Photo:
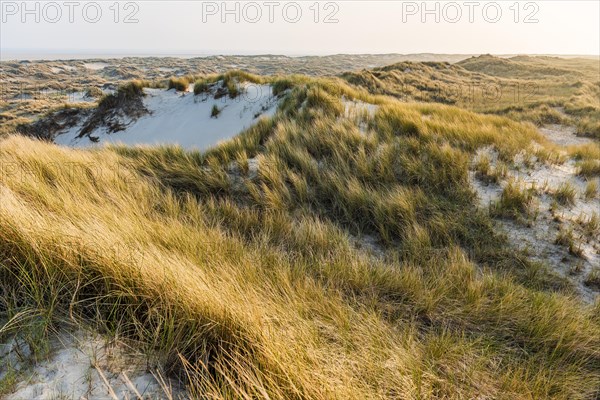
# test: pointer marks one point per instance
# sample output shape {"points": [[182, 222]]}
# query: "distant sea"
{"points": [[12, 55], [19, 56], [16, 55]]}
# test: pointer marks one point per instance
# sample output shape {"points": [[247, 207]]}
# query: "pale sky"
{"points": [[296, 28]]}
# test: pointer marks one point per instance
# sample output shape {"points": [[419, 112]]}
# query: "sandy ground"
{"points": [[183, 119], [359, 112], [82, 366], [563, 135], [538, 235]]}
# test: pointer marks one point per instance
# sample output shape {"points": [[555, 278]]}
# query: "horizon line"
{"points": [[38, 54]]}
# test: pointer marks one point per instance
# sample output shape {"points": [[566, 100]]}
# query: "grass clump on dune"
{"points": [[253, 286], [94, 92], [281, 85], [201, 87], [566, 238], [593, 278], [589, 168], [515, 201], [124, 94], [488, 174], [214, 113], [588, 151], [180, 84], [565, 194], [232, 88], [231, 83], [591, 189]]}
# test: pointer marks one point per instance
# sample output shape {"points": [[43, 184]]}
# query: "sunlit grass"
{"points": [[252, 285]]}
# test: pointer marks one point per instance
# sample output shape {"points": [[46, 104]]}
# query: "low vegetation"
{"points": [[591, 225], [180, 84], [124, 94], [589, 168], [201, 87], [566, 238], [593, 278], [281, 85], [488, 174], [541, 90], [591, 189], [94, 92], [214, 113], [516, 201], [565, 194], [259, 285]]}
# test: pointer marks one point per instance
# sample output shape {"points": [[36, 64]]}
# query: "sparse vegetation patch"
{"points": [[305, 259], [180, 84]]}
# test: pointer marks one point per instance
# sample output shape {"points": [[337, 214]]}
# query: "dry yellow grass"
{"points": [[541, 90], [255, 288]]}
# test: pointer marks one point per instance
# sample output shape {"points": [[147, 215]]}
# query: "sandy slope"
{"points": [[184, 119], [82, 366], [538, 237]]}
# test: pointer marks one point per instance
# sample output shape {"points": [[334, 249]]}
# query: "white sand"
{"points": [[359, 112], [538, 239], [81, 366], [564, 135], [185, 119], [96, 66]]}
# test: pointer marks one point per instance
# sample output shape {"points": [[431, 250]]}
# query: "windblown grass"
{"points": [[589, 168], [565, 194], [541, 90], [124, 93], [593, 278], [516, 201], [252, 286], [180, 84], [591, 189], [485, 172]]}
